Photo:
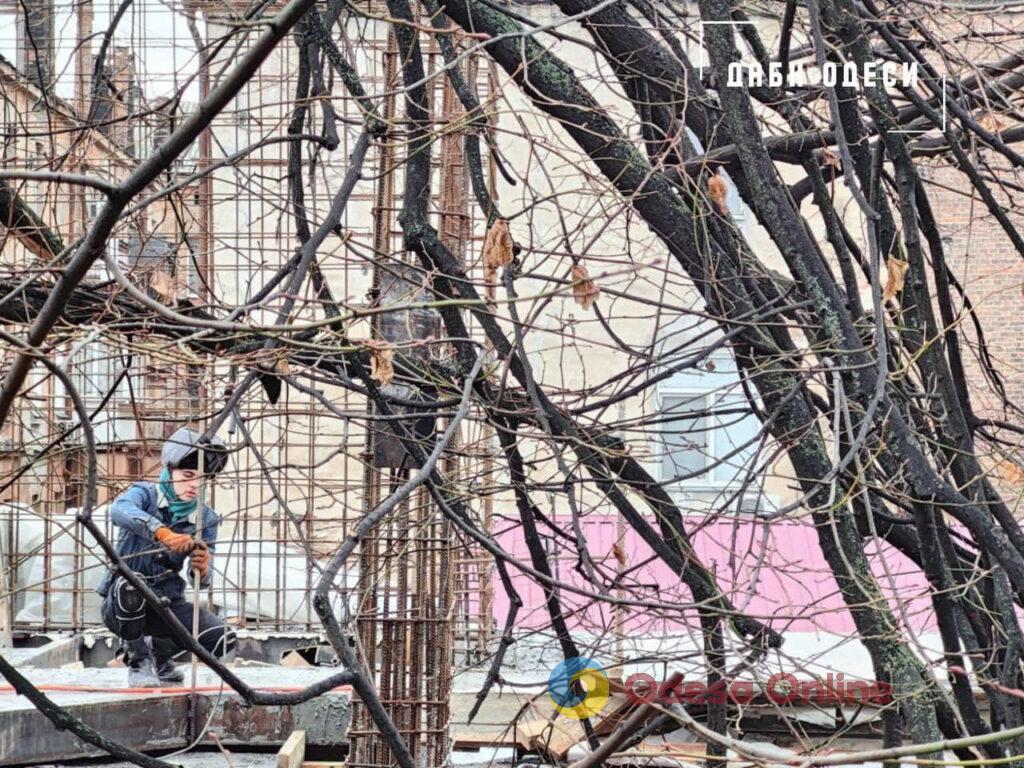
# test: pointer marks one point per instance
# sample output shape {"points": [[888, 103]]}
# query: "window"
{"points": [[93, 371], [95, 368], [686, 434], [709, 434], [92, 209], [193, 276]]}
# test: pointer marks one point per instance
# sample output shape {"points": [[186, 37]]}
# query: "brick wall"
{"points": [[991, 270]]}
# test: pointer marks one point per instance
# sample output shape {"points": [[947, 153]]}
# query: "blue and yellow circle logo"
{"points": [[578, 687]]}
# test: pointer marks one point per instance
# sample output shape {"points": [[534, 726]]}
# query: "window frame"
{"points": [[714, 392], [683, 394]]}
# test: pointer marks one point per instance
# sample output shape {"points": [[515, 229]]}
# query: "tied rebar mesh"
{"points": [[301, 476]]}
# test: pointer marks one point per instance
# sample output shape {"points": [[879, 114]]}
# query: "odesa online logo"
{"points": [[578, 687]]}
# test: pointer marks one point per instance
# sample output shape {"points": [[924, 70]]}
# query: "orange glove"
{"points": [[200, 559], [181, 543]]}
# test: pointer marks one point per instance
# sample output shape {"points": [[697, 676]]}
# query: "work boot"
{"points": [[141, 665], [168, 673], [164, 650]]}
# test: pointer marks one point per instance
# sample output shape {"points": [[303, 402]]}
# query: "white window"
{"points": [[709, 433], [92, 209], [93, 371], [95, 368]]}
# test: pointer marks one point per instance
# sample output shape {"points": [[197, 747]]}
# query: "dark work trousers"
{"points": [[126, 614]]}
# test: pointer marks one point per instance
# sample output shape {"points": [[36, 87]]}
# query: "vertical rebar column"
{"points": [[455, 232], [406, 580], [365, 744], [473, 566]]}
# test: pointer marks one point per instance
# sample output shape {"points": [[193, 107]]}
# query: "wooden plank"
{"points": [[679, 749], [558, 737], [523, 734], [607, 720], [562, 733], [6, 639], [292, 751], [528, 731], [295, 660], [468, 737], [157, 722], [543, 729]]}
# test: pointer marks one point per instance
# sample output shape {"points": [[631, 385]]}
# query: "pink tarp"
{"points": [[772, 570]]}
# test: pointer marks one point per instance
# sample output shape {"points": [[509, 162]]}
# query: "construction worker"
{"points": [[157, 534]]}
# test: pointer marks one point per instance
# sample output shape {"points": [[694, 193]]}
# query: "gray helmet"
{"points": [[181, 452]]}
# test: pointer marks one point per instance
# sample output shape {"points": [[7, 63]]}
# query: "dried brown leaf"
{"points": [[1010, 472], [831, 159], [619, 553], [897, 272], [381, 368], [992, 121], [583, 288], [718, 190], [498, 246]]}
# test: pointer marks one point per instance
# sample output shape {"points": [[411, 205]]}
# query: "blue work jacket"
{"points": [[138, 513]]}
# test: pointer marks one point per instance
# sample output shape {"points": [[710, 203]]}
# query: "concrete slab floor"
{"points": [[492, 759], [103, 682], [158, 719], [190, 760], [45, 651]]}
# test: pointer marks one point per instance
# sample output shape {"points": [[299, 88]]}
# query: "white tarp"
{"points": [[254, 578], [261, 578], [76, 561]]}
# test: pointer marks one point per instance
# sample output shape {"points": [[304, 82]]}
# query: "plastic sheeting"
{"points": [[57, 561], [265, 579]]}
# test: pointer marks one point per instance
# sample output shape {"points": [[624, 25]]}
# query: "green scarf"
{"points": [[180, 510]]}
